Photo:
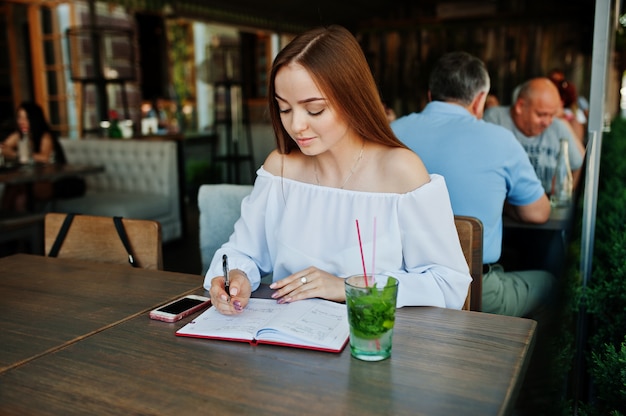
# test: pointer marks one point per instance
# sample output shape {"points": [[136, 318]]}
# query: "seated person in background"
{"points": [[491, 101], [391, 115], [532, 120], [45, 149], [45, 146], [557, 76], [483, 166], [571, 114], [338, 161]]}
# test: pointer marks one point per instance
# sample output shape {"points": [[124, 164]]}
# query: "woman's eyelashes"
{"points": [[310, 112]]}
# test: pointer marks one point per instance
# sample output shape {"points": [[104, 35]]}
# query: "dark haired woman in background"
{"points": [[45, 149]]}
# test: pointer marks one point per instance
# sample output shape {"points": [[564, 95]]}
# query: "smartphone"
{"points": [[178, 309]]}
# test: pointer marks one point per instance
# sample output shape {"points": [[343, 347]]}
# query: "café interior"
{"points": [[187, 79]]}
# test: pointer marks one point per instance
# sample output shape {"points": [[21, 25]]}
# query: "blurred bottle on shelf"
{"points": [[115, 132]]}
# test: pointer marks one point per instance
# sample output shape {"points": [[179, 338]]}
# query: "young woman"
{"points": [[337, 163], [45, 146], [45, 149]]}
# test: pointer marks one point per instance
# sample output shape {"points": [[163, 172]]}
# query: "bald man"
{"points": [[532, 119]]}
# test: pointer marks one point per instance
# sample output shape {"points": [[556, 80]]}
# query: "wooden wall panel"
{"points": [[401, 60]]}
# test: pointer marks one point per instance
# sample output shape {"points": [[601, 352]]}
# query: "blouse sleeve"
{"points": [[247, 248], [436, 272]]}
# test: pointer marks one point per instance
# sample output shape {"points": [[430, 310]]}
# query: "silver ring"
{"points": [[303, 280]]}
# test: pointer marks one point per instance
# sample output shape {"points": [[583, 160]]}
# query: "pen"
{"points": [[225, 269]]}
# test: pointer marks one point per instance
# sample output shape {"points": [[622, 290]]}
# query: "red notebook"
{"points": [[315, 324]]}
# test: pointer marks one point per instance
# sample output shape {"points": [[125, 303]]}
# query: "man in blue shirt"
{"points": [[485, 169]]}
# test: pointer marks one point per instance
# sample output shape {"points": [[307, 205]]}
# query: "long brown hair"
{"points": [[336, 62], [38, 127]]}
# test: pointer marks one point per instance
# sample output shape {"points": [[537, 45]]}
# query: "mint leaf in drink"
{"points": [[373, 313]]}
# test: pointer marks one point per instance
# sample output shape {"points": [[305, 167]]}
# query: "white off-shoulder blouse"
{"points": [[287, 226]]}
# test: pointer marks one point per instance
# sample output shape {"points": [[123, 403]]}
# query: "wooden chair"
{"points": [[95, 238], [470, 231]]}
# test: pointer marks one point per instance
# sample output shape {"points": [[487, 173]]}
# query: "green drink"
{"points": [[371, 315]]}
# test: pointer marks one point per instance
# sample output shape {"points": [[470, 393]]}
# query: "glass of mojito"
{"points": [[371, 307]]}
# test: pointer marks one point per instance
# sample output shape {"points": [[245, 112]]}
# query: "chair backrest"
{"points": [[470, 232], [219, 207], [95, 238]]}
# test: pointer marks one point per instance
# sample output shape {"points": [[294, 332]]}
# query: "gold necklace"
{"points": [[351, 170]]}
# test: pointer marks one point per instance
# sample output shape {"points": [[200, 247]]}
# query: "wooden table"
{"points": [[45, 172], [444, 362], [29, 174], [538, 246], [48, 303], [29, 225], [560, 219]]}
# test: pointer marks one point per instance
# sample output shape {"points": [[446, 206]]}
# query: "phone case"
{"points": [[165, 317]]}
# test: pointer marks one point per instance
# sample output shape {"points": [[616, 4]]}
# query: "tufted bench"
{"points": [[140, 181]]}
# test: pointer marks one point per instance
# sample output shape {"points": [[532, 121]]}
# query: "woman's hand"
{"points": [[240, 291], [309, 283], [9, 147]]}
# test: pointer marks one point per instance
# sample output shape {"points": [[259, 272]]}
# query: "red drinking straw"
{"points": [[358, 230]]}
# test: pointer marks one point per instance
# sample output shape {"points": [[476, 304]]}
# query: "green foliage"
{"points": [[605, 296], [200, 172], [181, 58], [609, 373]]}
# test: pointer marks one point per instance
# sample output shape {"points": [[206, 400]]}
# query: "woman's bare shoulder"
{"points": [[273, 163], [405, 169], [287, 165]]}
